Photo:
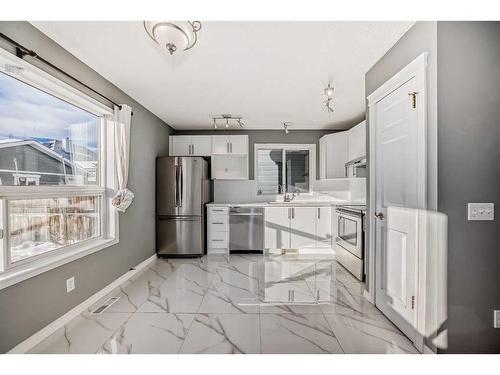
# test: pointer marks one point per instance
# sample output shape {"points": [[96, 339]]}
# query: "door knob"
{"points": [[379, 215]]}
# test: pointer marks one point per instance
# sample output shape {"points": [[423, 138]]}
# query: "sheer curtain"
{"points": [[122, 119]]}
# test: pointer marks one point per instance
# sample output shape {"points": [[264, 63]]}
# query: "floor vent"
{"points": [[106, 305]]}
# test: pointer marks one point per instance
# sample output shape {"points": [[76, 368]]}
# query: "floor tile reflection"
{"points": [[236, 304]]}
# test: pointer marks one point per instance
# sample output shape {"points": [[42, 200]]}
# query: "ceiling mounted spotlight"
{"points": [[229, 120], [173, 35], [329, 97], [286, 125]]}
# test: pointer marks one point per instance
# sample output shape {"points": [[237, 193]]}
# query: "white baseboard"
{"points": [[45, 332]]}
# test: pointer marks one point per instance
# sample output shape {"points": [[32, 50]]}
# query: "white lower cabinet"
{"points": [[324, 238], [298, 227], [218, 230], [302, 227], [277, 228]]}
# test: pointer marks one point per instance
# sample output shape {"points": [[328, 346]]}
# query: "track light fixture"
{"points": [[228, 120], [286, 125], [328, 91]]}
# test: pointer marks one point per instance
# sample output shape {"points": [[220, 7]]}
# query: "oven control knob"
{"points": [[379, 215]]}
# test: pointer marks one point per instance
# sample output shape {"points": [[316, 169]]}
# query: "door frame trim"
{"points": [[415, 69]]}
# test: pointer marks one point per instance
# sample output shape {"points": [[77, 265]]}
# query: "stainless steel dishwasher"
{"points": [[246, 229]]}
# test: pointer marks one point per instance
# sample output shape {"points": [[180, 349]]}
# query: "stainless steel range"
{"points": [[350, 240]]}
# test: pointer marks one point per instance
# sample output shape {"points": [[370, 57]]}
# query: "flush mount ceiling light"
{"points": [[329, 97], [286, 125], [228, 120], [173, 35]]}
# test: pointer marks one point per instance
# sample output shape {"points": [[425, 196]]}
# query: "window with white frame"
{"points": [[56, 170], [284, 168]]}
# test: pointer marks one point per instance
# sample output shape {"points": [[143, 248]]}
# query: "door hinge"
{"points": [[413, 99], [412, 302]]}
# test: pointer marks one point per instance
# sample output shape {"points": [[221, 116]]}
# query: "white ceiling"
{"points": [[268, 72]]}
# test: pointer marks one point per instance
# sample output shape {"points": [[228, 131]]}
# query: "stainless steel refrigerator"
{"points": [[182, 189]]}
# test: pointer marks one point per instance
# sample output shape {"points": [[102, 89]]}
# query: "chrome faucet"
{"points": [[288, 198]]}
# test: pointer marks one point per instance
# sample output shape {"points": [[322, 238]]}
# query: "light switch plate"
{"points": [[496, 318], [481, 211]]}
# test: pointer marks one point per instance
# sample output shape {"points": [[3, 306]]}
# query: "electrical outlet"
{"points": [[481, 211], [70, 284], [496, 319]]}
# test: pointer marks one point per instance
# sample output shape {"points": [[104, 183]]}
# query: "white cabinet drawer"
{"points": [[217, 240], [217, 226], [218, 219], [218, 210]]}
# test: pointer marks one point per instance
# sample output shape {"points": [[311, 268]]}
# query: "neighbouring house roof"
{"points": [[5, 143]]}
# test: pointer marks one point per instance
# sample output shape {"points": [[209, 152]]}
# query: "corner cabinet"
{"points": [[336, 149], [333, 155]]}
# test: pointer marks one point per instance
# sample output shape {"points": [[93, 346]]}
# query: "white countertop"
{"points": [[294, 203]]}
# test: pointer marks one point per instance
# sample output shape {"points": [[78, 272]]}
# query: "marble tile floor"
{"points": [[240, 304]]}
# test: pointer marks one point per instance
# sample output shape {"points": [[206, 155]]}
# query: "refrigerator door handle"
{"points": [[176, 186], [181, 185]]}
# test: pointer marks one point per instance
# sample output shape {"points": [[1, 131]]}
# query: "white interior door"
{"points": [[399, 193]]}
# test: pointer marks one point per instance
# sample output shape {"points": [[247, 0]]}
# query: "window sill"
{"points": [[24, 272]]}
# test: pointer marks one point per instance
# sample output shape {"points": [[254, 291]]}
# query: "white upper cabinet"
{"points": [[230, 144], [357, 141], [338, 148], [239, 144], [220, 144], [201, 145], [187, 145], [180, 145], [333, 155]]}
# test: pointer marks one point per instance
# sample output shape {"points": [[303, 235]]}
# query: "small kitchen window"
{"points": [[284, 168]]}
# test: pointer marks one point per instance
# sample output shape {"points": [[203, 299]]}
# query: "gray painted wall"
{"points": [[273, 136], [30, 305], [468, 140]]}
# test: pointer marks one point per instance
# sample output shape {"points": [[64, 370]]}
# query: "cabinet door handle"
{"points": [[293, 213], [218, 223], [231, 147], [217, 240], [319, 213]]}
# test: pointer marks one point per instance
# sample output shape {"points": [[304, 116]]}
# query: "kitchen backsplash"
{"points": [[246, 191]]}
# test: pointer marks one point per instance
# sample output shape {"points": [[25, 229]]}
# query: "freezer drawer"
{"points": [[180, 236]]}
